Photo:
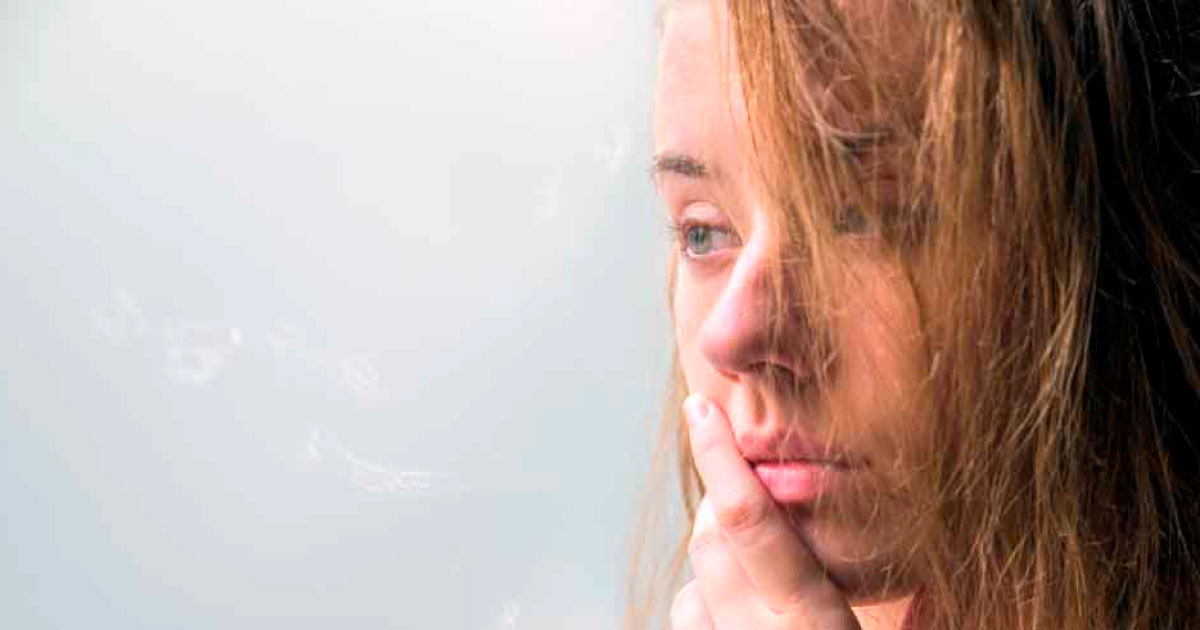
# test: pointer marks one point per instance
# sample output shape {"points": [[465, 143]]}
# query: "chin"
{"points": [[858, 565], [869, 582]]}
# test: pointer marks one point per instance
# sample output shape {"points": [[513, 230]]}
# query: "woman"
{"points": [[934, 298]]}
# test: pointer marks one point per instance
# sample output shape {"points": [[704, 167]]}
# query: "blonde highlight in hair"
{"points": [[1045, 184]]}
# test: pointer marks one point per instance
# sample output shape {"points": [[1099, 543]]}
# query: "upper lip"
{"points": [[792, 448]]}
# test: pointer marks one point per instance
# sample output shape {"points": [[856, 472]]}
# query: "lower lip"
{"points": [[798, 481]]}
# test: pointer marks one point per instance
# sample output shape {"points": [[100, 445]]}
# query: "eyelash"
{"points": [[675, 231]]}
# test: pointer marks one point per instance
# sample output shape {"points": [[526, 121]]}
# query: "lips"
{"points": [[799, 481], [793, 469]]}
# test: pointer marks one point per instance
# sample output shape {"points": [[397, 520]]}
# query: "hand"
{"points": [[753, 572]]}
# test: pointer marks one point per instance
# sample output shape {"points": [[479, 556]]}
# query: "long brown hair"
{"points": [[1051, 180]]}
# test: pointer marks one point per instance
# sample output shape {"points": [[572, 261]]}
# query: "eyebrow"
{"points": [[856, 144], [678, 164], [853, 145]]}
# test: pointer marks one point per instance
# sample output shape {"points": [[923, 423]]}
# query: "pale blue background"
{"points": [[324, 314]]}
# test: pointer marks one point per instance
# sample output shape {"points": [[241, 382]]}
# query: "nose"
{"points": [[757, 326]]}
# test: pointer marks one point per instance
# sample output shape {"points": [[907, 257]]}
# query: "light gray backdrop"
{"points": [[324, 314]]}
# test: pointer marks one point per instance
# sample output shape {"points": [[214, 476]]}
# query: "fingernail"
{"points": [[695, 410]]}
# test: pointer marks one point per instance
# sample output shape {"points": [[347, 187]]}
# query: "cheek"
{"points": [[884, 357], [692, 304]]}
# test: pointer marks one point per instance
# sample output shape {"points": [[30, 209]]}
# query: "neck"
{"points": [[890, 615]]}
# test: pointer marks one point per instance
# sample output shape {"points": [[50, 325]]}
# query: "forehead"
{"points": [[698, 106]]}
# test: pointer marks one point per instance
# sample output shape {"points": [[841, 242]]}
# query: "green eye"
{"points": [[702, 240], [851, 220]]}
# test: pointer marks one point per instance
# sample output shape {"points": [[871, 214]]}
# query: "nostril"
{"points": [[776, 375], [761, 368]]}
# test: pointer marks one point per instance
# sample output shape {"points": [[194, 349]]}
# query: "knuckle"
{"points": [[688, 610], [744, 515], [819, 603], [808, 600]]}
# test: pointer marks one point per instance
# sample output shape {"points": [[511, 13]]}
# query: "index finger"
{"points": [[782, 569]]}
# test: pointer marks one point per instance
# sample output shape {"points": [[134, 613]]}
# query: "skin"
{"points": [[760, 563]]}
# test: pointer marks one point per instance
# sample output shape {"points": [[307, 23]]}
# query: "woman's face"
{"points": [[723, 297]]}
